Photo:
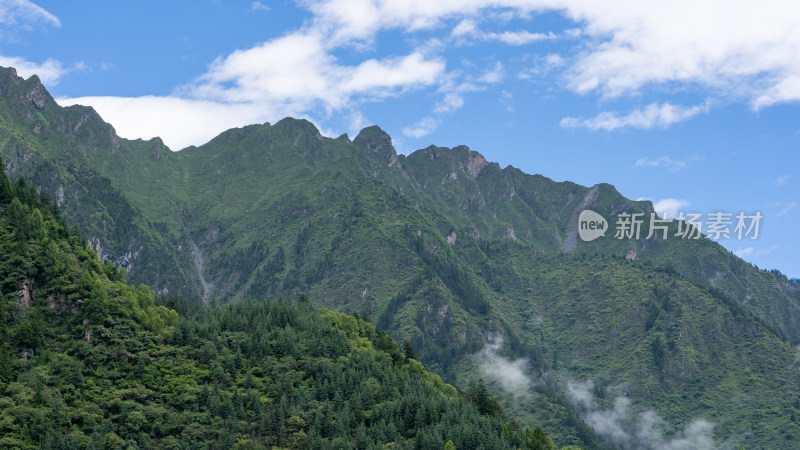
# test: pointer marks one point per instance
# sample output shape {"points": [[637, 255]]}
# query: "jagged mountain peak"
{"points": [[460, 158], [298, 128], [374, 139], [31, 94], [377, 141]]}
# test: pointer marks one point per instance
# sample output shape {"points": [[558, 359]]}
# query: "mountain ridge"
{"points": [[439, 247]]}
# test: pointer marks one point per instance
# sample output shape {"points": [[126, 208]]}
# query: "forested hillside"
{"points": [[90, 362]]}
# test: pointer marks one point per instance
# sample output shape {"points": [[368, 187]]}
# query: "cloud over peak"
{"points": [[741, 52]]}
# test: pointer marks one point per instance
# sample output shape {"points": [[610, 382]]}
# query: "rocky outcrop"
{"points": [[26, 294], [475, 164]]}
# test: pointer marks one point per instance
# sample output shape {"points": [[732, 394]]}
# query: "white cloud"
{"points": [[654, 115], [518, 37], [299, 68], [468, 29], [781, 180], [422, 128], [451, 102], [555, 60], [668, 208], [292, 75], [179, 122], [23, 12], [48, 72], [743, 50], [258, 6]]}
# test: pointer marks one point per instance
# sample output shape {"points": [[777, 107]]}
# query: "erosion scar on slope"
{"points": [[197, 256]]}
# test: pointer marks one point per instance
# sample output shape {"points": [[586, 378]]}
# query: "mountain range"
{"points": [[477, 267], [87, 361]]}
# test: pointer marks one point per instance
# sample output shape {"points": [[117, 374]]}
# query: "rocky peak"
{"points": [[30, 91], [298, 129], [379, 142], [454, 159], [8, 79], [37, 94]]}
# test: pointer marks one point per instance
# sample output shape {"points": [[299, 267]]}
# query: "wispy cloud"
{"points": [[519, 37], [752, 251], [24, 13], [783, 207], [493, 75], [652, 116], [781, 180], [673, 165], [786, 208], [258, 6], [454, 88], [628, 429], [467, 28], [510, 374], [424, 127]]}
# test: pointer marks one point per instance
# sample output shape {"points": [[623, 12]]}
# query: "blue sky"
{"points": [[691, 104]]}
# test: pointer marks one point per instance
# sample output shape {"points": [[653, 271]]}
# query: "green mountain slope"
{"points": [[452, 253], [87, 361], [60, 150]]}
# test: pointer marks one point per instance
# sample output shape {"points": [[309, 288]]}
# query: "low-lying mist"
{"points": [[625, 428]]}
